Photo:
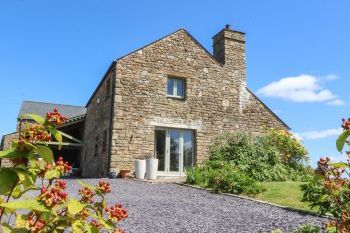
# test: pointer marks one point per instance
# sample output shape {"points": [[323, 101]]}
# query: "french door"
{"points": [[174, 150]]}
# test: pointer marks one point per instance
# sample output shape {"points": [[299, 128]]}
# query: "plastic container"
{"points": [[140, 168], [151, 169]]}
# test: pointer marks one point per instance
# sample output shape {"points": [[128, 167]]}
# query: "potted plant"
{"points": [[124, 173]]}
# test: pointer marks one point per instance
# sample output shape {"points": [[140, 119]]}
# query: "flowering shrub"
{"points": [[52, 210], [291, 151], [330, 190]]}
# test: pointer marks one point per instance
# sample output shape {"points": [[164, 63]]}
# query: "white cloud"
{"points": [[314, 135], [336, 102], [302, 88], [331, 77]]}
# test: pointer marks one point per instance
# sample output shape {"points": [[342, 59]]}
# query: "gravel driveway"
{"points": [[175, 208]]}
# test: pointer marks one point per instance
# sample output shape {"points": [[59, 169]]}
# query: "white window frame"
{"points": [[174, 95], [181, 171]]}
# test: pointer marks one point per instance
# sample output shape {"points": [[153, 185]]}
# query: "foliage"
{"points": [[223, 177], [307, 228], [330, 190], [291, 151], [263, 158], [52, 210]]}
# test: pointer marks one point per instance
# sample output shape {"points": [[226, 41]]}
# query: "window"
{"points": [[176, 87]]}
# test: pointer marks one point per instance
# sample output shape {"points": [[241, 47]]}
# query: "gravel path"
{"points": [[175, 208]]}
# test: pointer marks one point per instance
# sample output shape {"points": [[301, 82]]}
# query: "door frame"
{"points": [[181, 171]]}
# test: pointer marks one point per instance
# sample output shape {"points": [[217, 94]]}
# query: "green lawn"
{"points": [[285, 194]]}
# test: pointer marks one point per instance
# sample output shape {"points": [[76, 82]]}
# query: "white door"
{"points": [[175, 150]]}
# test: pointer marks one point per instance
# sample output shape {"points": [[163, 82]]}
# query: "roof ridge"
{"points": [[40, 102]]}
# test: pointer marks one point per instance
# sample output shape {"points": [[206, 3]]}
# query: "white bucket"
{"points": [[151, 169], [140, 168]]}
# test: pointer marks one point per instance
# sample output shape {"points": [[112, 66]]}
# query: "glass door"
{"points": [[160, 149], [174, 148]]}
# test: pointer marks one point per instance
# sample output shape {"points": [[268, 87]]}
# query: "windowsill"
{"points": [[176, 97]]}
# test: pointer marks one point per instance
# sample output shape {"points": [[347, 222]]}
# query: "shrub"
{"points": [[221, 176], [52, 210], [330, 190], [307, 228], [260, 157], [291, 151], [195, 175]]}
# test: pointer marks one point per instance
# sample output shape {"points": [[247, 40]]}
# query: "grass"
{"points": [[285, 194]]}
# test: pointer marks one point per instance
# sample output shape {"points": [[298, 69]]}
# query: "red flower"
{"points": [[62, 166], [86, 195], [104, 187], [117, 212], [55, 117]]}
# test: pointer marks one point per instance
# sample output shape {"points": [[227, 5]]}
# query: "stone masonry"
{"points": [[216, 100], [94, 156], [6, 144]]}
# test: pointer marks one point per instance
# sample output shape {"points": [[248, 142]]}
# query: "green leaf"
{"points": [[91, 229], [19, 191], [86, 185], [74, 206], [342, 139], [52, 174], [56, 133], [8, 179], [34, 117], [340, 165], [9, 153], [78, 226], [6, 228], [45, 152], [20, 220], [25, 204]]}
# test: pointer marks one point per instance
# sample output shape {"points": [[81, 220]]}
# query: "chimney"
{"points": [[229, 49]]}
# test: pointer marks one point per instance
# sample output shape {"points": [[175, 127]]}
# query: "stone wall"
{"points": [[6, 144], [216, 99], [94, 155]]}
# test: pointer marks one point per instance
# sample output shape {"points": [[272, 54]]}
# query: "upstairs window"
{"points": [[176, 87]]}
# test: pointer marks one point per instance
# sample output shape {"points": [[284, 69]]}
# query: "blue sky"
{"points": [[297, 53]]}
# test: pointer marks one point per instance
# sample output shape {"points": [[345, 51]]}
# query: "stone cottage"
{"points": [[168, 100]]}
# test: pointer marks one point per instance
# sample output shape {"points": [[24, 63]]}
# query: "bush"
{"points": [[330, 189], [291, 151], [53, 209], [307, 228], [223, 177], [195, 175], [263, 158]]}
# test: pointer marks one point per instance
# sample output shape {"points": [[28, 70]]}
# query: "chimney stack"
{"points": [[229, 49]]}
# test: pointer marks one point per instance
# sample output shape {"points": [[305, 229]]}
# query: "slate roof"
{"points": [[41, 109]]}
